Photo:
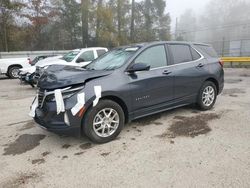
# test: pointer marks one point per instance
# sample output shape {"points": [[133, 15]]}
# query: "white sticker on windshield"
{"points": [[59, 101], [79, 105], [98, 94], [131, 49]]}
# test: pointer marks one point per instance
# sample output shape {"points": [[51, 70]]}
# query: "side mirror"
{"points": [[138, 67], [80, 60]]}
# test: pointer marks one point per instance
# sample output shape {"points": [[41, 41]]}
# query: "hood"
{"points": [[59, 76], [51, 62]]}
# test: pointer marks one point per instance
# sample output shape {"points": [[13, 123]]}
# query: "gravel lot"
{"points": [[178, 148]]}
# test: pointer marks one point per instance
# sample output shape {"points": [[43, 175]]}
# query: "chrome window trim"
{"points": [[194, 61]]}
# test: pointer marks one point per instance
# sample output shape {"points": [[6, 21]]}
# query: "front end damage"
{"points": [[61, 110]]}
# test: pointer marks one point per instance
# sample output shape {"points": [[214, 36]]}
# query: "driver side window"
{"points": [[154, 56], [87, 56]]}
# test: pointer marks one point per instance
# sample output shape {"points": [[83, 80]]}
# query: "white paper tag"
{"points": [[32, 112], [98, 94], [59, 101], [79, 105]]}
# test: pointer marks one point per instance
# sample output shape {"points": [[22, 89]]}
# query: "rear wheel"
{"points": [[13, 72], [104, 122], [207, 96]]}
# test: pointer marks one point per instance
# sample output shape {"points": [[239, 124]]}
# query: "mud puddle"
{"points": [[20, 181], [86, 146], [233, 91], [190, 126], [232, 81], [23, 143], [28, 125]]}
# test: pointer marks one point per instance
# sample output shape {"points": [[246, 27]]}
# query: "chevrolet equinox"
{"points": [[127, 83]]}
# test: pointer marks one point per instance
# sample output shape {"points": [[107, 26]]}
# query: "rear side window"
{"points": [[208, 50], [181, 53], [88, 56], [195, 54], [155, 57], [100, 52]]}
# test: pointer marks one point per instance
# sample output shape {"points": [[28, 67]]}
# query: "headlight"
{"points": [[66, 93]]}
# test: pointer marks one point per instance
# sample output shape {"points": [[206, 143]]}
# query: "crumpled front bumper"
{"points": [[48, 119]]}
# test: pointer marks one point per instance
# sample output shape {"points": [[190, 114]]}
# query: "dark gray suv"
{"points": [[125, 84]]}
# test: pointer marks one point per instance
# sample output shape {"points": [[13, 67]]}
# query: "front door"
{"points": [[154, 87]]}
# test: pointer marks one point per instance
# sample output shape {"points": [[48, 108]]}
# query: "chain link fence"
{"points": [[233, 48]]}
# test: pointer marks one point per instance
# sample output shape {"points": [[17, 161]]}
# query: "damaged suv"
{"points": [[124, 84]]}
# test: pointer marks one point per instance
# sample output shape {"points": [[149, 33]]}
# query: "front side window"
{"points": [[155, 57], [112, 60], [70, 56], [87, 56], [181, 53]]}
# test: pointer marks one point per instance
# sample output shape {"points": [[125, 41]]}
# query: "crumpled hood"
{"points": [[30, 70], [47, 62], [59, 76]]}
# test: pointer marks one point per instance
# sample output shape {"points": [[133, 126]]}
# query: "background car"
{"points": [[10, 67], [26, 74], [77, 57]]}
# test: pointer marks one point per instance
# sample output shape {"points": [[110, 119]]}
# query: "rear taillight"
{"points": [[30, 62], [221, 62]]}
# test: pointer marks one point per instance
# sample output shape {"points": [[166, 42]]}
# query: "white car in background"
{"points": [[77, 57], [10, 67]]}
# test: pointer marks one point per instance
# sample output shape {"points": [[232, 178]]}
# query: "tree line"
{"points": [[69, 24]]}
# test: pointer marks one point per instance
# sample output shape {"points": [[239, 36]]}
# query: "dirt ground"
{"points": [[178, 148]]}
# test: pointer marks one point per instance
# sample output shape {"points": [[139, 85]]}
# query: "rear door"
{"points": [[189, 71], [153, 87]]}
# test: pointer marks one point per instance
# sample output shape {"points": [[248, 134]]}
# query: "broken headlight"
{"points": [[66, 93]]}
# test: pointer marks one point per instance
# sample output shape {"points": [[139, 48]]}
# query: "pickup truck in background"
{"points": [[10, 67]]}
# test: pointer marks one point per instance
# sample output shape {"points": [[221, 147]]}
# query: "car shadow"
{"points": [[153, 119], [4, 78]]}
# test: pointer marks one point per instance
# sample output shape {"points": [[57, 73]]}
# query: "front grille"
{"points": [[41, 97]]}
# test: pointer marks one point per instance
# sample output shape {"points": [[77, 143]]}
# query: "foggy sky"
{"points": [[177, 7]]}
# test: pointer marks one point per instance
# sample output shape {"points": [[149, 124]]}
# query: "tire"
{"points": [[206, 101], [97, 114], [13, 72]]}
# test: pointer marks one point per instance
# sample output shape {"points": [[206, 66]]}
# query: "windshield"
{"points": [[113, 59], [70, 56]]}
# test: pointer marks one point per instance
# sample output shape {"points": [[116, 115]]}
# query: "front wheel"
{"points": [[207, 96], [104, 122]]}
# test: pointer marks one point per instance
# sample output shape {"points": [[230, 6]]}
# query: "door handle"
{"points": [[166, 72], [200, 65]]}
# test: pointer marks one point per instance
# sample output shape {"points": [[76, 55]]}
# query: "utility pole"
{"points": [[176, 29], [132, 26], [85, 19]]}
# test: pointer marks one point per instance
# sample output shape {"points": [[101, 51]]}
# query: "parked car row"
{"points": [[77, 57], [124, 84]]}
